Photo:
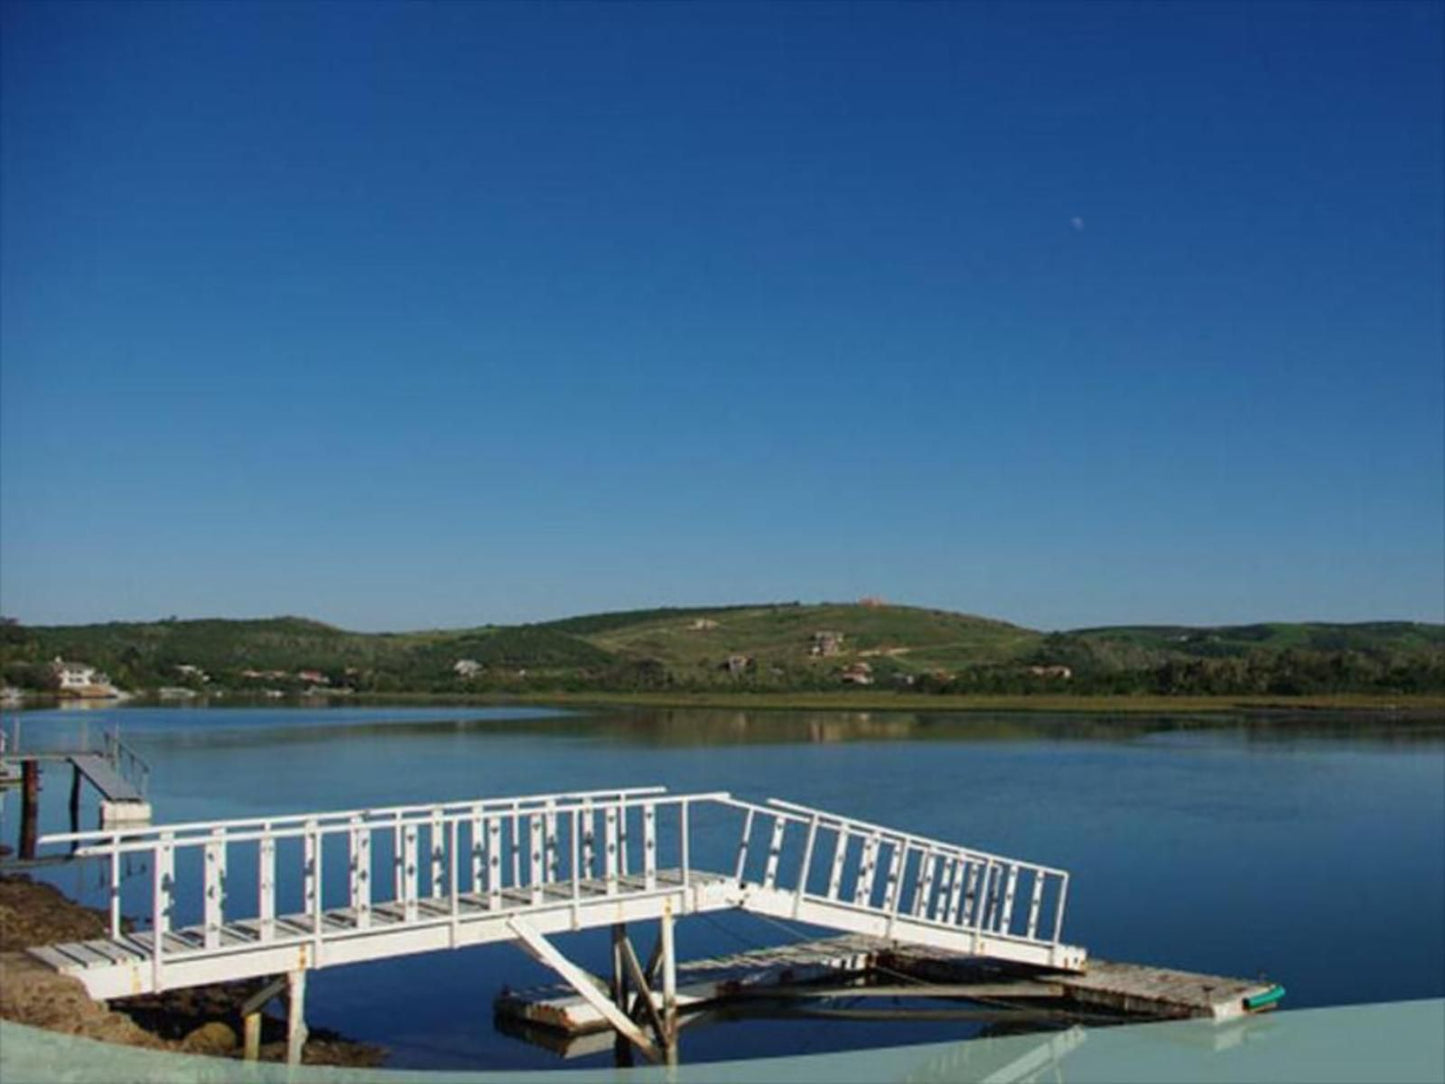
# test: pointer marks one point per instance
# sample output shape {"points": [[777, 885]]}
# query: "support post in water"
{"points": [[75, 799], [622, 1049], [251, 1015], [295, 1016], [29, 806], [669, 985]]}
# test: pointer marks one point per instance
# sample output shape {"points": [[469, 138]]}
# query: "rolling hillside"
{"points": [[903, 637], [767, 645]]}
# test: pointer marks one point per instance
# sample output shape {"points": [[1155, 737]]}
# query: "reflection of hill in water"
{"points": [[701, 727]]}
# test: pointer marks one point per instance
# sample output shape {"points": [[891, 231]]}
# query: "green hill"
{"points": [[902, 638], [777, 646]]}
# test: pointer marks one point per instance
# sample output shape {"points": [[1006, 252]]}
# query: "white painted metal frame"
{"points": [[931, 894], [461, 871]]}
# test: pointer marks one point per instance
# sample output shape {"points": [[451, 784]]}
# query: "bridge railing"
{"points": [[840, 861], [131, 766], [280, 877], [216, 886]]}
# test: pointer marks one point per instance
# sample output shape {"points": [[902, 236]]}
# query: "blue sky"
{"points": [[414, 315]]}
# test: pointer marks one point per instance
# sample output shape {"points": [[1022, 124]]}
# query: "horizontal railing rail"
{"points": [[860, 825], [284, 819], [131, 766]]}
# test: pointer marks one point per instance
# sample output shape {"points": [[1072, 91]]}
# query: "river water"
{"points": [[1305, 850]]}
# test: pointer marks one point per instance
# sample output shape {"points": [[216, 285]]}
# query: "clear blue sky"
{"points": [[411, 315]]}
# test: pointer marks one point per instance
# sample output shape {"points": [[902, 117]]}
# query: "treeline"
{"points": [[1284, 673]]}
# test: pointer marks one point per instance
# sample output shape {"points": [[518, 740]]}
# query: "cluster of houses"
{"points": [[310, 677]]}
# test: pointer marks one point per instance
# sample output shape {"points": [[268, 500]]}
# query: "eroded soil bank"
{"points": [[205, 1020]]}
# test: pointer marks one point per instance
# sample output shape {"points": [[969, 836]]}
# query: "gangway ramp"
{"points": [[105, 778], [236, 899]]}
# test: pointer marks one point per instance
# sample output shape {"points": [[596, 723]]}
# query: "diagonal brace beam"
{"points": [[586, 985], [644, 991], [649, 977]]}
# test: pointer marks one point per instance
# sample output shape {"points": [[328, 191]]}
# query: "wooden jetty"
{"points": [[357, 885], [95, 756]]}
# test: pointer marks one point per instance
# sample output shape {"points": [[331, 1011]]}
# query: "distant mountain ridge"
{"points": [[786, 645]]}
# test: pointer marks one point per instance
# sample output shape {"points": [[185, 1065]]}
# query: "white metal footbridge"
{"points": [[238, 899]]}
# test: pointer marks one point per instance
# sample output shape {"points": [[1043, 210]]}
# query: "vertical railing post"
{"points": [[494, 863], [685, 843], [863, 890], [892, 887], [214, 873], [163, 884], [549, 840], [623, 869], [115, 887], [589, 833], [478, 837], [435, 837], [398, 860], [609, 847], [897, 872], [743, 846], [840, 854], [775, 851], [360, 870], [266, 884], [923, 899], [535, 871], [1036, 899], [939, 908], [453, 889], [574, 852], [315, 854], [806, 865], [1059, 907], [649, 846], [516, 821], [409, 872], [1006, 916], [955, 892], [988, 896], [311, 869]]}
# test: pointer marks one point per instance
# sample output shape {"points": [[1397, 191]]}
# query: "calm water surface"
{"points": [[1310, 853]]}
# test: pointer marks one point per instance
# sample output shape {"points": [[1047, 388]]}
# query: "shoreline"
{"points": [[1413, 706], [197, 1020]]}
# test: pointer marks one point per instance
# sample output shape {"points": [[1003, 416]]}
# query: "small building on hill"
{"points": [[826, 644]]}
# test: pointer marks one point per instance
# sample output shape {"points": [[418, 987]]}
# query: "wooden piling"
{"points": [[29, 807], [75, 780], [295, 1015]]}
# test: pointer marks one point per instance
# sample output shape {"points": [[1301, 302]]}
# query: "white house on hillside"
{"points": [[76, 675]]}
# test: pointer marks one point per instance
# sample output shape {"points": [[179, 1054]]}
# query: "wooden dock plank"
{"points": [[1137, 990]]}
